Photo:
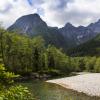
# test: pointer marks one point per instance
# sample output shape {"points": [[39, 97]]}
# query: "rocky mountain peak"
{"points": [[68, 25], [27, 24], [65, 37], [31, 18], [95, 26]]}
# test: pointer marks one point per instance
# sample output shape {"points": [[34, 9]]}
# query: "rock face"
{"points": [[78, 35], [29, 24], [95, 26], [65, 37], [33, 25]]}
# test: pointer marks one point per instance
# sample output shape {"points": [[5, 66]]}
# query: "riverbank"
{"points": [[88, 83], [42, 90]]}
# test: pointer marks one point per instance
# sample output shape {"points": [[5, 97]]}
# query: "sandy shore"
{"points": [[86, 83]]}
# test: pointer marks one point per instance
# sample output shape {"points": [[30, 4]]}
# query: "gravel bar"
{"points": [[86, 83]]}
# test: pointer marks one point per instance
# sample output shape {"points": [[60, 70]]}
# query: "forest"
{"points": [[24, 56]]}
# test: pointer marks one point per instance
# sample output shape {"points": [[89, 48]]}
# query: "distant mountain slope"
{"points": [[90, 48], [77, 35], [33, 25], [95, 26], [66, 37]]}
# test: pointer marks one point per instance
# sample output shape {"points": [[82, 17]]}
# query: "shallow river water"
{"points": [[47, 91]]}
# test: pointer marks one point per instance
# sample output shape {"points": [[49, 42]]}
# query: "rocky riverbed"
{"points": [[88, 83]]}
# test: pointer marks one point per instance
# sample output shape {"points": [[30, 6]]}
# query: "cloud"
{"points": [[6, 9], [5, 6], [30, 2], [19, 8], [35, 2], [78, 12], [54, 12]]}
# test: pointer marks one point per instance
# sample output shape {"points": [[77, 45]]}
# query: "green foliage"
{"points": [[8, 92], [6, 77], [16, 93], [17, 54], [38, 53], [89, 48], [97, 65], [90, 63], [23, 55], [57, 59]]}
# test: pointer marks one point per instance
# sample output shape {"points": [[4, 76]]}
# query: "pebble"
{"points": [[86, 83]]}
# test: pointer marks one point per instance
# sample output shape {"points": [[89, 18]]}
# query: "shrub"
{"points": [[16, 93], [8, 92]]}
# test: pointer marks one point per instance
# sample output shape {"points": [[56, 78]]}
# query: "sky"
{"points": [[54, 12]]}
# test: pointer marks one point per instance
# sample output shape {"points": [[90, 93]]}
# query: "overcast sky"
{"points": [[54, 12]]}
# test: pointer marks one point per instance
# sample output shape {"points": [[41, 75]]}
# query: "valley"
{"points": [[31, 53]]}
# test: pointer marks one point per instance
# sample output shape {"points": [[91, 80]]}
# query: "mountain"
{"points": [[77, 35], [33, 25], [89, 48], [66, 37], [30, 25], [95, 26]]}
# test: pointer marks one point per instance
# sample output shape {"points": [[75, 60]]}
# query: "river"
{"points": [[47, 91]]}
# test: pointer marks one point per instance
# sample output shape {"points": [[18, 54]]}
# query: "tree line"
{"points": [[23, 55]]}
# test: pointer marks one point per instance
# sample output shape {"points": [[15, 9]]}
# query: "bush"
{"points": [[16, 93], [8, 92], [6, 77]]}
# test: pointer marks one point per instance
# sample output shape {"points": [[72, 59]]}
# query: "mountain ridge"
{"points": [[65, 37]]}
